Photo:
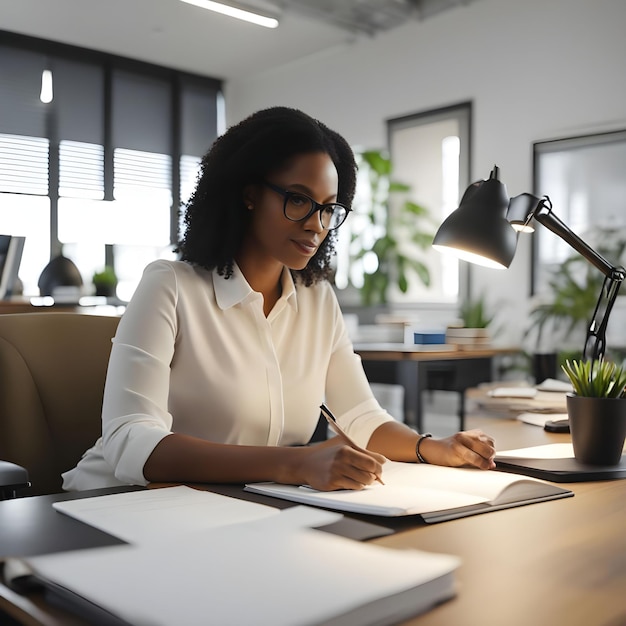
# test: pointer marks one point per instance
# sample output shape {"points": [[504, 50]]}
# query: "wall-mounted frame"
{"points": [[585, 178]]}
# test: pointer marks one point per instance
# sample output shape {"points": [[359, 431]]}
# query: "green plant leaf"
{"points": [[396, 186], [106, 277], [473, 313], [403, 283], [415, 209], [575, 286], [377, 161], [596, 378], [420, 269], [423, 240]]}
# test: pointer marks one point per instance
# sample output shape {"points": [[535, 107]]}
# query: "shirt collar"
{"points": [[235, 290]]}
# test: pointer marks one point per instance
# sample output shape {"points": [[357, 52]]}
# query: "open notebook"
{"points": [[435, 493]]}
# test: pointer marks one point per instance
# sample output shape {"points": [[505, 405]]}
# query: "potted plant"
{"points": [[473, 324], [387, 231], [105, 282], [597, 410]]}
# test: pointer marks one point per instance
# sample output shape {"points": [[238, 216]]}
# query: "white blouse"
{"points": [[195, 354]]}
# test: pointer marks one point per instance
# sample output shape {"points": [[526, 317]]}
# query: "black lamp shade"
{"points": [[478, 230], [60, 272]]}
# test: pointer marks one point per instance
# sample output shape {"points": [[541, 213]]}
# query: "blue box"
{"points": [[429, 337]]}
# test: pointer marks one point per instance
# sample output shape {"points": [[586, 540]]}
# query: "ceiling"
{"points": [[179, 35]]}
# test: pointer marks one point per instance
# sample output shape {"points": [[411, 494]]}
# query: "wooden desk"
{"points": [[88, 304], [555, 563], [419, 370], [26, 306]]}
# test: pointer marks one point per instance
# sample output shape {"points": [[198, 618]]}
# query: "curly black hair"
{"points": [[216, 217]]}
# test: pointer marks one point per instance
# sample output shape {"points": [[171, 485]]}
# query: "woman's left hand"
{"points": [[470, 448]]}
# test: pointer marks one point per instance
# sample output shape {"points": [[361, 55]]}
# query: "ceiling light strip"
{"points": [[238, 13]]}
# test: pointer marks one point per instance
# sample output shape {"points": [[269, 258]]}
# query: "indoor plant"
{"points": [[597, 410], [474, 314], [105, 282], [474, 323], [387, 230]]}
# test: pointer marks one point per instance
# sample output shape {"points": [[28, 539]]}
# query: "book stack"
{"points": [[468, 337]]}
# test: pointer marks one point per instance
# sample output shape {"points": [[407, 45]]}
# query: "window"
{"points": [[584, 178], [100, 171], [430, 152], [28, 216]]}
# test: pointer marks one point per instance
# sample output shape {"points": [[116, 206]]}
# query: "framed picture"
{"points": [[585, 178]]}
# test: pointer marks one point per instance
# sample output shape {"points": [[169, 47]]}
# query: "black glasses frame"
{"points": [[286, 194]]}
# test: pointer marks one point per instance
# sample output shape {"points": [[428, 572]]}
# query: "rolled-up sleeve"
{"points": [[135, 415]]}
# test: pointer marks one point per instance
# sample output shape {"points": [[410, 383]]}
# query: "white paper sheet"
{"points": [[540, 419], [154, 514], [254, 574], [554, 385], [549, 451], [513, 392]]}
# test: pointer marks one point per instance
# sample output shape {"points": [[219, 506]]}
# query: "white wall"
{"points": [[535, 70]]}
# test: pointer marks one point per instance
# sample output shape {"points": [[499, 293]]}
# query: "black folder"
{"points": [[561, 470]]}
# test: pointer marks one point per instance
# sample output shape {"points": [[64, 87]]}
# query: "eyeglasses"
{"points": [[299, 207]]}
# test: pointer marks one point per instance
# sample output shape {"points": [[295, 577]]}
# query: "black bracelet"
{"points": [[420, 458]]}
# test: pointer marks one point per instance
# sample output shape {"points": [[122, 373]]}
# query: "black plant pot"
{"points": [[598, 428], [107, 290]]}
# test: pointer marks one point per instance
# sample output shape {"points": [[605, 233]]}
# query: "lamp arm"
{"points": [[595, 342], [544, 215]]}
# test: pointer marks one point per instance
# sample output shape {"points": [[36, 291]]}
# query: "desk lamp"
{"points": [[485, 228]]}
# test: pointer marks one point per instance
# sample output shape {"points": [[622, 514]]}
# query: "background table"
{"points": [[432, 368]]}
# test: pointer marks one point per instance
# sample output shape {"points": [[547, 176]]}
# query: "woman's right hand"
{"points": [[333, 464]]}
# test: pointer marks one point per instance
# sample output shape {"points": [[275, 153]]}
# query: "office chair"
{"points": [[52, 373]]}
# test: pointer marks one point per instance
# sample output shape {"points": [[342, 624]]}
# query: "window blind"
{"points": [[24, 164], [81, 170], [135, 170]]}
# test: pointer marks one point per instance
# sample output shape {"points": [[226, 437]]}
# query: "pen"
{"points": [[332, 421]]}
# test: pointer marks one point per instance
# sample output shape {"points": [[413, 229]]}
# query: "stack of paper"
{"points": [[264, 568], [251, 575]]}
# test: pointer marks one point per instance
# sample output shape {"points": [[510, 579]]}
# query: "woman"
{"points": [[221, 360]]}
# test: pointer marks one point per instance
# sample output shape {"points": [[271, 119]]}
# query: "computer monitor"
{"points": [[11, 248]]}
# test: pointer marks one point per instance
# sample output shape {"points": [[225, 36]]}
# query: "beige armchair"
{"points": [[52, 373]]}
